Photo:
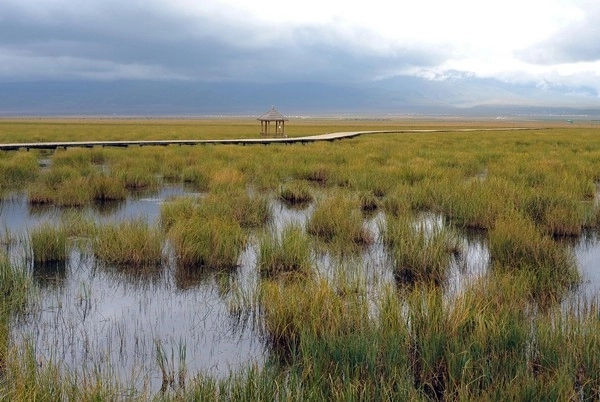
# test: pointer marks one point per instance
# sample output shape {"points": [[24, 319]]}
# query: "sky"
{"points": [[545, 43]]}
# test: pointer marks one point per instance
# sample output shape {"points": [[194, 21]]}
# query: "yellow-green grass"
{"points": [[16, 169], [337, 219], [488, 342], [48, 243], [249, 210], [66, 187], [296, 194], [177, 209], [207, 242], [516, 244], [421, 251], [44, 130], [289, 253], [307, 307], [14, 290], [133, 243]]}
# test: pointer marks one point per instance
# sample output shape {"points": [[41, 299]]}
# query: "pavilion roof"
{"points": [[272, 115]]}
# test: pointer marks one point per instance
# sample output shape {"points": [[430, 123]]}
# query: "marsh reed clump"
{"points": [[197, 177], [226, 179], [307, 308], [337, 219], [14, 290], [516, 243], [296, 193], [476, 204], [17, 169], [48, 243], [421, 250], [320, 175], [289, 253], [397, 202], [61, 186], [133, 243], [565, 349], [107, 188], [175, 209], [368, 202], [211, 242], [471, 347], [14, 285], [248, 210], [558, 214]]}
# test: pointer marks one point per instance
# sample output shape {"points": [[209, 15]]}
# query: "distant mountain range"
{"points": [[397, 96]]}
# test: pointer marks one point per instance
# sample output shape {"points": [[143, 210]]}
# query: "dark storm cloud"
{"points": [[147, 40]]}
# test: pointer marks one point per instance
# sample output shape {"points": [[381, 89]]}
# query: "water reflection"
{"points": [[587, 253], [108, 207], [187, 278], [134, 276], [91, 313], [50, 274]]}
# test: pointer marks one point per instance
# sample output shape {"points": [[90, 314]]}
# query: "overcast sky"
{"points": [[544, 42]]}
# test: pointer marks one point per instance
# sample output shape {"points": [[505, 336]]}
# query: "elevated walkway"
{"points": [[244, 141]]}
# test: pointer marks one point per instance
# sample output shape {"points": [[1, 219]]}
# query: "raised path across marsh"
{"points": [[243, 141]]}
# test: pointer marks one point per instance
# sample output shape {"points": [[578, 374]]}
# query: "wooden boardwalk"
{"points": [[243, 141]]}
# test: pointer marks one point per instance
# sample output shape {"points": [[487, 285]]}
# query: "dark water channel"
{"points": [[105, 322]]}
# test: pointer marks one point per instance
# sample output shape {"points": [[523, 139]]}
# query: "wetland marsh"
{"points": [[456, 265]]}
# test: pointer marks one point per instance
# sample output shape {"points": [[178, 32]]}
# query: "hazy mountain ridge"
{"points": [[394, 96]]}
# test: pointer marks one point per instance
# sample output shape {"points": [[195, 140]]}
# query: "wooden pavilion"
{"points": [[272, 116]]}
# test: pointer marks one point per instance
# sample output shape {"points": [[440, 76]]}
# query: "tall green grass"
{"points": [[296, 193], [48, 243], [516, 244], [288, 253], [207, 242], [17, 169], [15, 286], [421, 250], [337, 219], [250, 211], [307, 308], [346, 341], [132, 242]]}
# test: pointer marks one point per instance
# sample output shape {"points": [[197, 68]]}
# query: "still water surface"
{"points": [[101, 320]]}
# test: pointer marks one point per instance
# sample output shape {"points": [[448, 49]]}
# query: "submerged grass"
{"points": [[15, 286]]}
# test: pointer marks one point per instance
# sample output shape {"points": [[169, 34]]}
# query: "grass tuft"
{"points": [[290, 253], [207, 242], [296, 193], [48, 244], [517, 244], [421, 251], [337, 219], [133, 243]]}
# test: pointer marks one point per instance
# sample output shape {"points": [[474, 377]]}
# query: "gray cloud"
{"points": [[108, 40], [578, 42], [158, 40]]}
